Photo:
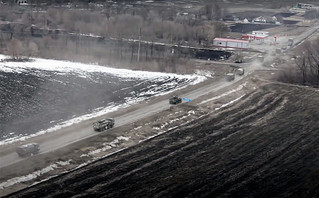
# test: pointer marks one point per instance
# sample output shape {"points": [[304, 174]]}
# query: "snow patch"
{"points": [[34, 175], [136, 128], [107, 146], [84, 70], [229, 103], [205, 73], [240, 87]]}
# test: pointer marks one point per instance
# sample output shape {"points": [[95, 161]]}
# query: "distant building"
{"points": [[22, 2], [231, 43], [256, 35], [260, 19], [304, 6], [245, 20]]}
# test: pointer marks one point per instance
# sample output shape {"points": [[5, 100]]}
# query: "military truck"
{"points": [[240, 71], [230, 76], [103, 124], [28, 149], [175, 100]]}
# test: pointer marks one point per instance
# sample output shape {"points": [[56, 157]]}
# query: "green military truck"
{"points": [[28, 150]]}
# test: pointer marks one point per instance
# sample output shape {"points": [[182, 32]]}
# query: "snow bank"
{"points": [[84, 70]]}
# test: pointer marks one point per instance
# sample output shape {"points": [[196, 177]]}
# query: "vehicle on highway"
{"points": [[239, 61], [28, 150], [230, 76], [240, 71], [103, 124], [175, 100]]}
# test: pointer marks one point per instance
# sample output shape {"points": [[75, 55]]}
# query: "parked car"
{"points": [[28, 149], [103, 124]]}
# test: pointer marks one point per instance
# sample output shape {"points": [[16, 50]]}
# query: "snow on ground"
{"points": [[107, 146], [231, 102], [34, 175], [85, 71], [240, 87], [174, 120]]}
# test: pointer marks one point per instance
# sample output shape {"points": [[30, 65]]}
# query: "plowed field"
{"points": [[265, 145]]}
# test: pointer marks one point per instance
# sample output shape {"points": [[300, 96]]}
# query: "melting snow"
{"points": [[107, 146], [229, 103], [84, 70], [225, 94], [33, 175]]}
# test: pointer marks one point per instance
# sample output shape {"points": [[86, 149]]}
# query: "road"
{"points": [[77, 132]]}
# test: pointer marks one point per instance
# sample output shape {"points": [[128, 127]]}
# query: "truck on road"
{"points": [[28, 149], [230, 76], [175, 100], [103, 124]]}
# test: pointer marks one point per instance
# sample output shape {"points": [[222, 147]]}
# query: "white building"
{"points": [[231, 43], [256, 35], [260, 19], [22, 2]]}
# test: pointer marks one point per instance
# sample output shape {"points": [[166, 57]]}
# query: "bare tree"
{"points": [[307, 61], [33, 49], [220, 29], [302, 66], [14, 48], [213, 11]]}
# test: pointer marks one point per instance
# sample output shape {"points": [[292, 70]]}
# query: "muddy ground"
{"points": [[264, 145]]}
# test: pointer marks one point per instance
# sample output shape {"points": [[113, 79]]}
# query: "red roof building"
{"points": [[231, 43]]}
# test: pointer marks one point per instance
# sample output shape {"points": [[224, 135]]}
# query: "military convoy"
{"points": [[103, 124], [28, 150], [175, 100]]}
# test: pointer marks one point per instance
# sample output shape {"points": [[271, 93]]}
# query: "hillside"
{"points": [[265, 145]]}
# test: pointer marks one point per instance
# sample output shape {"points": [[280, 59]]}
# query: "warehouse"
{"points": [[231, 43]]}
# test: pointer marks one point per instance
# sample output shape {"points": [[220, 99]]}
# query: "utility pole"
{"points": [[139, 46]]}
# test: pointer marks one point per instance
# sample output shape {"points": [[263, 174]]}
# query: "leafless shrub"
{"points": [[33, 49], [306, 61], [213, 11], [15, 48], [311, 14]]}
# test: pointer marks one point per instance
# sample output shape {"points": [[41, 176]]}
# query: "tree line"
{"points": [[306, 64], [37, 31]]}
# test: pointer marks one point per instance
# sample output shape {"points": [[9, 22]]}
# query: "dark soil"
{"points": [[247, 28], [289, 22], [266, 145], [285, 14]]}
